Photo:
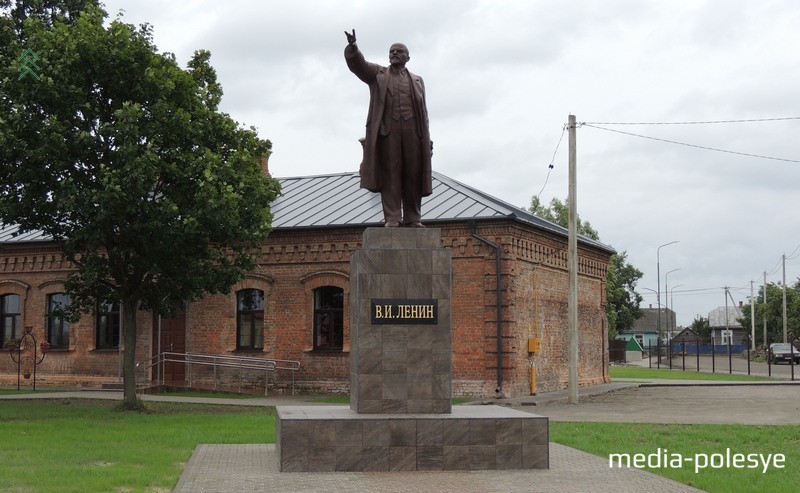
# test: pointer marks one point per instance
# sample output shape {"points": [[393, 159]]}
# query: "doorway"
{"points": [[169, 336]]}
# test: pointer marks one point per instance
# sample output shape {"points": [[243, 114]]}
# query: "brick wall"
{"points": [[294, 263], [34, 272]]}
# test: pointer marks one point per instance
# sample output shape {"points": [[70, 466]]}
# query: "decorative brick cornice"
{"points": [[14, 262], [517, 241]]}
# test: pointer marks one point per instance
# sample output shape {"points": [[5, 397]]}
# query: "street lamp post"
{"points": [[666, 292], [658, 294], [672, 301]]}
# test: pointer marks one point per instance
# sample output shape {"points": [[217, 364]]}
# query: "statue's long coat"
{"points": [[378, 80]]}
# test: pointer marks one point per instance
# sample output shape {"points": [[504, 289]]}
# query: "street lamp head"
{"points": [[666, 244]]}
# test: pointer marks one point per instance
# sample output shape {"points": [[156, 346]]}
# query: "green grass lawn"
{"points": [[646, 438], [86, 446], [665, 373]]}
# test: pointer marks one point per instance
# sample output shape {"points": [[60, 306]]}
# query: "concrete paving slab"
{"points": [[243, 468]]}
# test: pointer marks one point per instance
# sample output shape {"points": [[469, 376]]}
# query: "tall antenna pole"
{"points": [[572, 304]]}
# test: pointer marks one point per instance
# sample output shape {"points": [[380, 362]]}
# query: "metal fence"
{"points": [[702, 354], [616, 351]]}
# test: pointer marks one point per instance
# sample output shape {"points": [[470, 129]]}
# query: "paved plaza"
{"points": [[224, 468], [251, 468]]}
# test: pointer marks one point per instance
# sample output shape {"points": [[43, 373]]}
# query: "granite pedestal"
{"points": [[400, 416]]}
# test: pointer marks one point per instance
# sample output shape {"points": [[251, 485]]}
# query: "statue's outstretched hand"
{"points": [[351, 38]]}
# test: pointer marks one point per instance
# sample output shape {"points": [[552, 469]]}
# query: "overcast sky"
{"points": [[501, 80]]}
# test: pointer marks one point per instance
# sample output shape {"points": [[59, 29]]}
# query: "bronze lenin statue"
{"points": [[397, 145]]}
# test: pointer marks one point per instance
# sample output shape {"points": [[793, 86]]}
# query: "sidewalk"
{"points": [[540, 399], [310, 400], [116, 395]]}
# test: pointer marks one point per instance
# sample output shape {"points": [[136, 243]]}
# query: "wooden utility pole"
{"points": [[752, 319], [764, 311], [785, 334], [572, 304]]}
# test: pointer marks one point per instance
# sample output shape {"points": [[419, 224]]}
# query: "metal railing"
{"points": [[702, 354], [269, 367]]}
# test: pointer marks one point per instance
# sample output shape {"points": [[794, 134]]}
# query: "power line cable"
{"points": [[792, 255], [692, 145], [710, 122], [552, 160], [776, 268], [693, 291]]}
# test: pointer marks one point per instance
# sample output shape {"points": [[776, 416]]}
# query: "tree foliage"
{"points": [[558, 212], [622, 308], [124, 159], [774, 312], [701, 327]]}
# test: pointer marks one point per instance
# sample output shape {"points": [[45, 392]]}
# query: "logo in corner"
{"points": [[28, 59]]}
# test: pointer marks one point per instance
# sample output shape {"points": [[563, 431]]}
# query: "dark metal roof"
{"points": [[336, 200]]}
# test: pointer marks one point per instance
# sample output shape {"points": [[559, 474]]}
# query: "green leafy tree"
{"points": [[701, 327], [622, 308], [558, 212], [774, 312], [124, 159]]}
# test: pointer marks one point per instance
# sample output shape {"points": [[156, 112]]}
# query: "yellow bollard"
{"points": [[533, 378]]}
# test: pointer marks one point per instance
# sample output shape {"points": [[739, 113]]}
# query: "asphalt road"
{"points": [[685, 402]]}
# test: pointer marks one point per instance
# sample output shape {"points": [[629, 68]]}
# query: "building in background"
{"points": [[725, 327], [645, 329], [295, 305]]}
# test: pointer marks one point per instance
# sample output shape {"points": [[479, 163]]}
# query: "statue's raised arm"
{"points": [[351, 38]]}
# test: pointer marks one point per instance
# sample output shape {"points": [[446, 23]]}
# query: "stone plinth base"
{"points": [[334, 438], [400, 364]]}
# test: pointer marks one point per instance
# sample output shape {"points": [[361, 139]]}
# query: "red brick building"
{"points": [[295, 305]]}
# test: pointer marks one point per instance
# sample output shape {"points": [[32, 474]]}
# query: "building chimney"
{"points": [[651, 306], [265, 164]]}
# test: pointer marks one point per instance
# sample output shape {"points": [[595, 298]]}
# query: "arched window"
{"points": [[57, 325], [107, 325], [10, 318], [250, 319], [328, 318]]}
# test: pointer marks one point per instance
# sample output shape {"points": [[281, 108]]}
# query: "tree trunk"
{"points": [[129, 309]]}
